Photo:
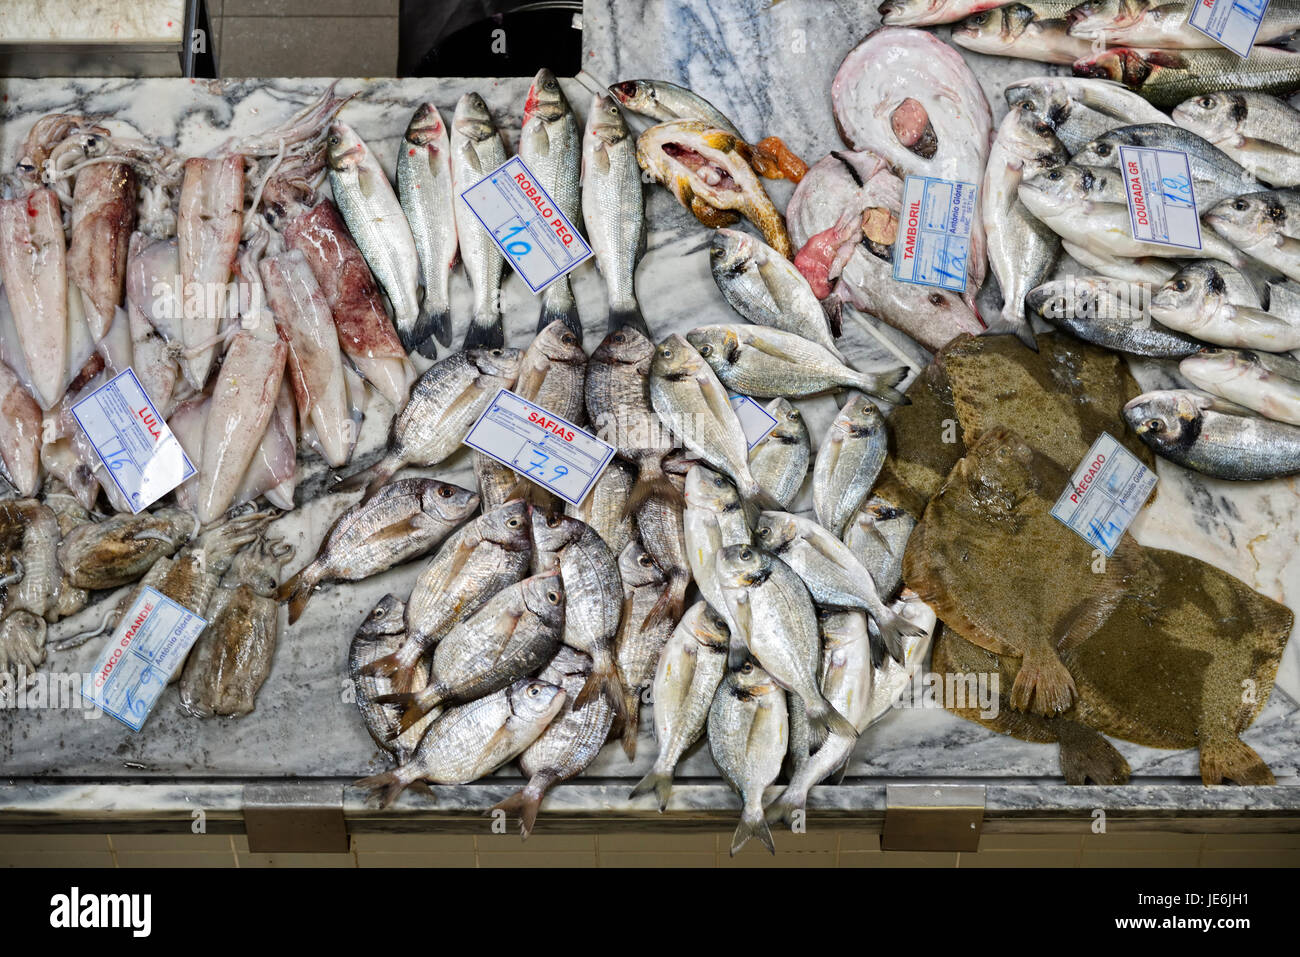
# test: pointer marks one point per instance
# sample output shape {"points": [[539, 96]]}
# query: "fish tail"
{"points": [[754, 499], [661, 782], [372, 479], [651, 482], [787, 803], [297, 591], [752, 824], [620, 316], [894, 628], [388, 785], [833, 306], [525, 802], [1233, 760], [432, 325], [670, 605], [1087, 756], [1043, 685], [604, 679], [417, 705], [632, 724], [395, 667], [823, 719], [563, 308], [881, 385], [485, 333]]}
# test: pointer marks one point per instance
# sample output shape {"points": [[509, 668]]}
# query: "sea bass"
{"points": [[424, 189]]}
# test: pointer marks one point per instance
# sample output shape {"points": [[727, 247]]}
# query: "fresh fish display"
{"points": [[118, 550], [1264, 225], [34, 266], [1166, 26], [406, 519], [103, 218], [424, 189], [1034, 30], [207, 233], [1081, 109], [767, 363], [848, 462], [613, 210], [1110, 313], [374, 217], [379, 635], [1212, 437], [605, 507], [550, 144], [877, 536], [660, 528], [641, 634], [474, 739], [748, 732], [1217, 305], [1167, 77], [1260, 381], [476, 150], [779, 461], [570, 742], [705, 169], [1257, 130], [691, 666], [713, 519]]}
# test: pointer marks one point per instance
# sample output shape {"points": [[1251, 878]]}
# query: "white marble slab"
{"points": [[92, 22]]}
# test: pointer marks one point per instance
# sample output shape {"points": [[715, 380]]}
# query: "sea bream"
{"points": [[713, 519], [1257, 130], [1112, 313], [1260, 381], [379, 635], [1265, 225], [425, 191], [779, 460], [1031, 30], [1081, 109], [641, 635], [848, 462], [1216, 304], [476, 150]]}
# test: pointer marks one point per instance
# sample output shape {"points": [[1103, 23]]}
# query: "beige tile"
{"points": [[297, 860], [651, 843], [810, 840], [638, 859], [172, 843], [157, 859], [789, 859], [1233, 842], [859, 841], [1165, 857], [1031, 842], [21, 843], [539, 859], [1056, 858], [898, 859], [1251, 858], [1145, 841], [537, 843], [73, 859], [310, 8], [435, 860], [308, 46], [412, 843]]}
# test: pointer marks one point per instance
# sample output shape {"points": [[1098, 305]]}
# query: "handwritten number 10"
{"points": [[518, 247]]}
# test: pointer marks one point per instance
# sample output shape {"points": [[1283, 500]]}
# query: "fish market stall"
{"points": [[304, 744]]}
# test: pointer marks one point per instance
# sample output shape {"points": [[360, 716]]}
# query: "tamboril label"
{"points": [[932, 247]]}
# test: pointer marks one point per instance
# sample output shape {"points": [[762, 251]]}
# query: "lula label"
{"points": [[755, 421], [1232, 23], [932, 247], [1106, 491], [1161, 200]]}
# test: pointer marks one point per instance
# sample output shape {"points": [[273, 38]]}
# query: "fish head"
{"points": [[559, 344], [675, 358], [344, 150], [553, 531], [719, 346], [1215, 117], [605, 121], [1124, 65], [535, 702], [1046, 97], [449, 503], [473, 119], [747, 680], [775, 531], [711, 491], [387, 618], [545, 99], [625, 346], [997, 473], [1092, 17], [544, 597], [841, 629], [1167, 419], [637, 568], [1249, 219], [1217, 365], [1103, 151], [507, 527], [985, 25], [426, 129], [859, 418], [1056, 190], [501, 362], [707, 627], [743, 566], [897, 13], [731, 253], [790, 426], [1034, 139]]}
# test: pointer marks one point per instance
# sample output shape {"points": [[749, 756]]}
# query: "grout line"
{"points": [[111, 849], [234, 853]]}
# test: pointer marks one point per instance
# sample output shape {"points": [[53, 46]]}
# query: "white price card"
{"points": [[142, 456], [147, 647], [1161, 201], [1105, 494], [755, 421], [933, 242], [1232, 23], [540, 446], [537, 239]]}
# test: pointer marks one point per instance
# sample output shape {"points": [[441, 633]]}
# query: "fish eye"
{"points": [[718, 482], [706, 350], [1155, 425], [552, 521], [1103, 149], [793, 414], [534, 691], [496, 352], [746, 554], [512, 523], [568, 338], [619, 337], [445, 491], [644, 560], [1240, 205], [553, 597], [763, 531], [1055, 175], [334, 139], [980, 18], [378, 612], [937, 300], [747, 669], [1206, 102], [1181, 285], [666, 352], [1030, 105]]}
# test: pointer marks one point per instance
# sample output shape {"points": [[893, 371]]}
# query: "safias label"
{"points": [[551, 425]]}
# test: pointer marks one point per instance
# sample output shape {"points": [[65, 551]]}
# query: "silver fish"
{"points": [[877, 536], [748, 734], [1265, 225], [1165, 25], [1081, 109], [714, 518], [1167, 77], [1259, 381], [779, 460], [1216, 304], [605, 507], [476, 150], [381, 634], [659, 525], [1257, 130], [1031, 30], [425, 191], [474, 739], [848, 462], [1110, 313], [661, 100], [641, 637]]}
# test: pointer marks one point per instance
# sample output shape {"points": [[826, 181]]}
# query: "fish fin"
{"points": [[881, 385], [837, 776], [604, 679], [876, 644], [432, 323], [1043, 685], [400, 672], [632, 725], [782, 810], [668, 608], [711, 216], [388, 785], [481, 335], [1234, 761], [418, 704], [823, 719], [297, 591], [661, 782], [525, 802], [371, 479], [893, 630], [1087, 756], [752, 825], [833, 306], [651, 483], [618, 318], [569, 316]]}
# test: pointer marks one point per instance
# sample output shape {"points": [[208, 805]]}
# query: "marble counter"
{"points": [[770, 70]]}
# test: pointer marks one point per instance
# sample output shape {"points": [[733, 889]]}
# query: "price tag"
{"points": [[1105, 494], [1161, 201], [535, 237], [933, 244], [147, 646], [1233, 23], [540, 446], [755, 421], [142, 456]]}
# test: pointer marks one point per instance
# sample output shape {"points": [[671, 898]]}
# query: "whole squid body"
{"points": [[1032, 30], [118, 550], [911, 98], [613, 209], [1081, 109], [408, 518], [593, 598], [34, 265], [512, 636], [1262, 382], [691, 666], [476, 150], [232, 658], [306, 324], [767, 363], [485, 555], [365, 332], [641, 635], [779, 460], [1022, 250], [749, 731], [424, 188], [1216, 438], [713, 519], [770, 606], [570, 742], [550, 144], [474, 739], [1257, 130], [153, 315], [1216, 304], [848, 462], [689, 399], [375, 219], [1265, 225], [1166, 25], [103, 216], [445, 401], [20, 435], [207, 232], [704, 168], [380, 635], [1167, 77]]}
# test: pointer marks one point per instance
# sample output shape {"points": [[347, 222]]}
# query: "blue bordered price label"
{"points": [[1161, 199], [755, 421], [147, 647], [933, 243], [535, 237], [137, 448], [1231, 23], [1106, 492], [540, 446]]}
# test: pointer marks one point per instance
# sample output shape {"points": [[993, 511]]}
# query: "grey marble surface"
{"points": [[772, 79]]}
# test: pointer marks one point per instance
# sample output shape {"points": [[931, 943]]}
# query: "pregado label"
{"points": [[540, 446], [1161, 201], [535, 237], [1233, 23], [142, 456], [147, 646], [1105, 494], [755, 421], [933, 243]]}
